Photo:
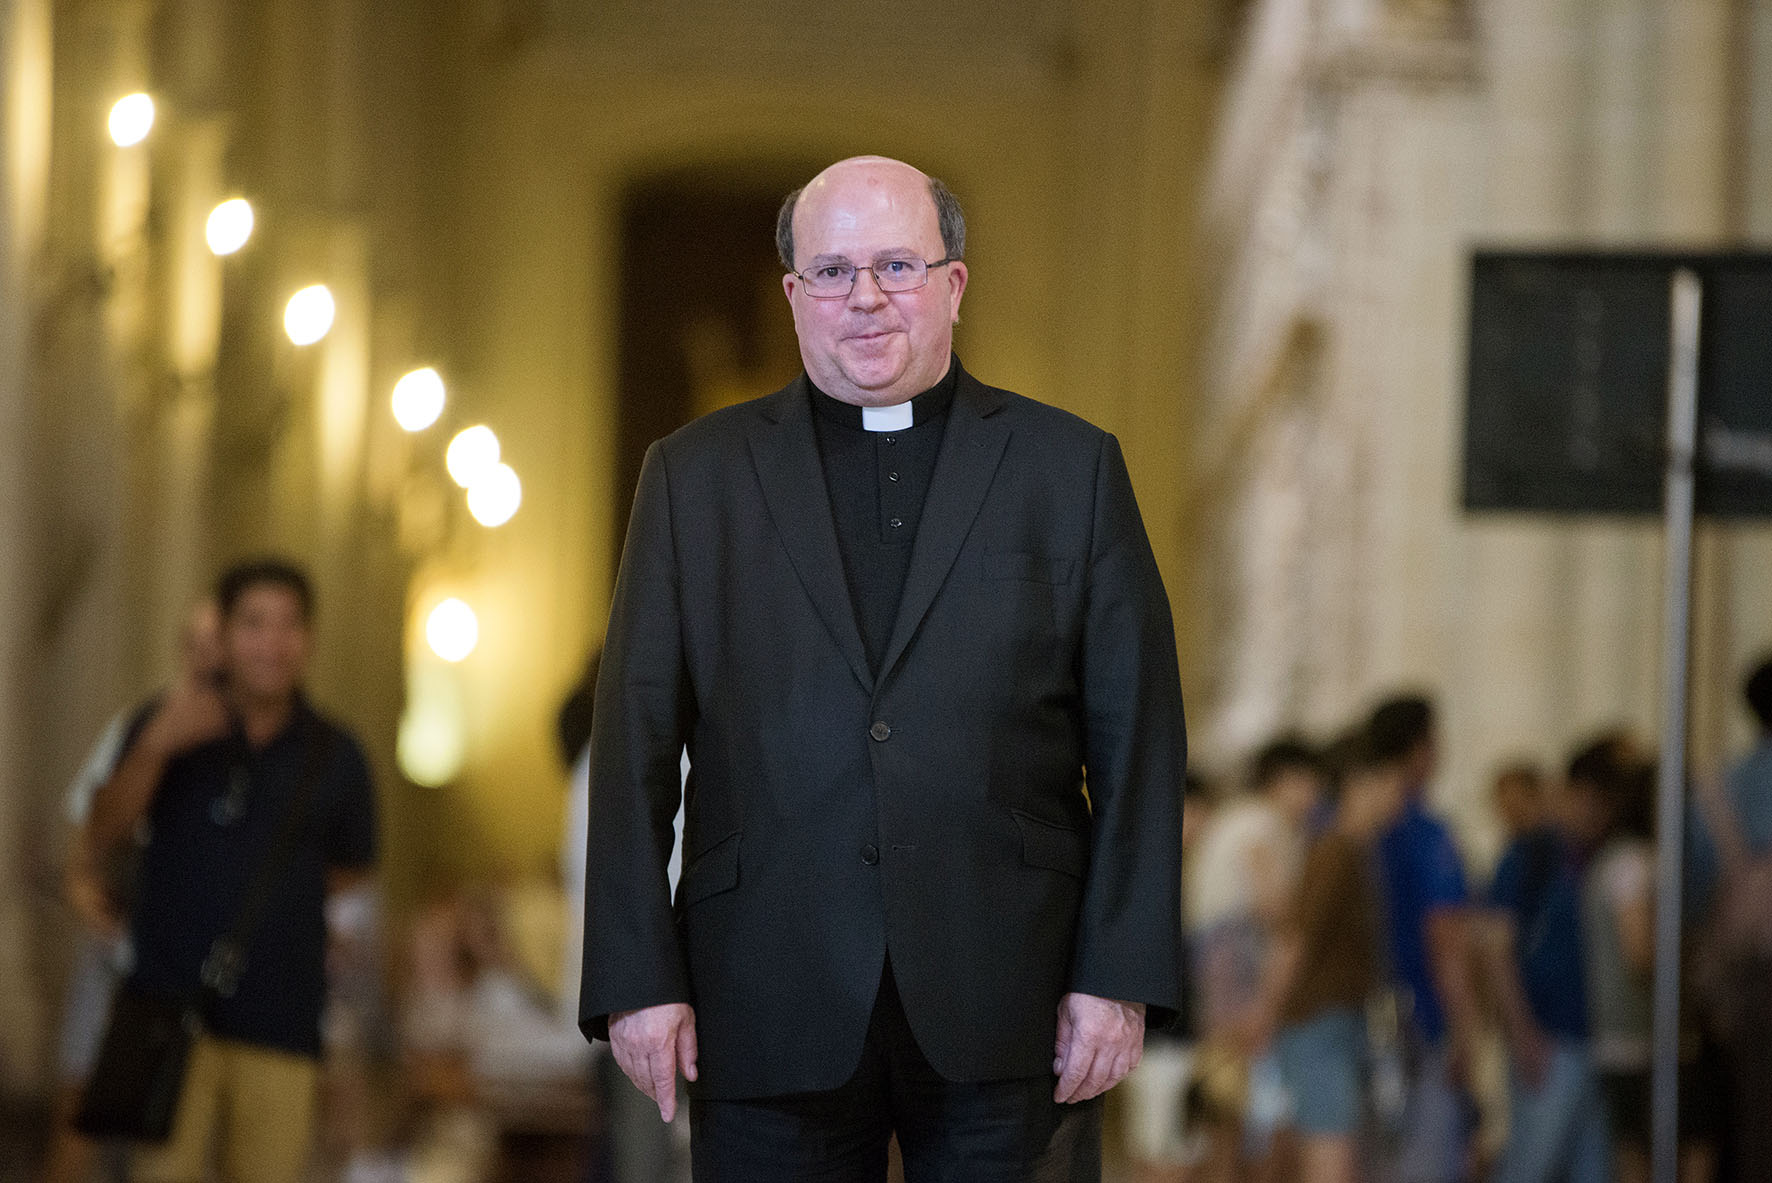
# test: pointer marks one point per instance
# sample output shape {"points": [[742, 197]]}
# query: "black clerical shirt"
{"points": [[877, 482]]}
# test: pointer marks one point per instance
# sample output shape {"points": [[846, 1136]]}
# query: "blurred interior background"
{"points": [[1235, 232]]}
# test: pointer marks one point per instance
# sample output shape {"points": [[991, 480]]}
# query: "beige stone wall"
{"points": [[1074, 144], [24, 134], [1366, 148], [456, 174]]}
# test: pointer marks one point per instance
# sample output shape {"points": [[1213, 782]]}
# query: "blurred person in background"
{"points": [[1328, 962], [1160, 1140], [1739, 957], [1610, 811], [1519, 798], [212, 769], [1749, 782], [448, 1137], [1240, 884], [359, 1035], [1532, 938], [634, 1146], [1612, 787], [1429, 912], [100, 892]]}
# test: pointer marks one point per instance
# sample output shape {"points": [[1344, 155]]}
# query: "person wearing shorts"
{"points": [[1328, 964]]}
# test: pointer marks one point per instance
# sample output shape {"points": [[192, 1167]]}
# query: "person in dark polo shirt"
{"points": [[211, 768]]}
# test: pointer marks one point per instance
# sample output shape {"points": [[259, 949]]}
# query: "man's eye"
{"points": [[897, 267], [833, 271]]}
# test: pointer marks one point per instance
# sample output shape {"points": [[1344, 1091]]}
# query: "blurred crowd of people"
{"points": [[1361, 1010], [1356, 1009]]}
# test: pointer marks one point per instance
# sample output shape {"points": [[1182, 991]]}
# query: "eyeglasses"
{"points": [[833, 281]]}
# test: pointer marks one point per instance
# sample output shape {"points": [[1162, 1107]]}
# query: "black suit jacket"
{"points": [[937, 812]]}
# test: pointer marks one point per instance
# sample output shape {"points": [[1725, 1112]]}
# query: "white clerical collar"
{"points": [[897, 418]]}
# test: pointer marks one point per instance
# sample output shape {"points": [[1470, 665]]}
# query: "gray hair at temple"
{"points": [[947, 214]]}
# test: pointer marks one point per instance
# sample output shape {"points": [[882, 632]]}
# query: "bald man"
{"points": [[911, 632]]}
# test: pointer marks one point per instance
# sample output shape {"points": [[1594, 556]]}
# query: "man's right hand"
{"points": [[192, 713], [651, 1045]]}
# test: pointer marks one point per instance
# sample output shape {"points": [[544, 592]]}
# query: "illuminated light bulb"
{"points": [[429, 747], [309, 314], [432, 740], [452, 630], [229, 226], [494, 498], [132, 118], [418, 399], [472, 453]]}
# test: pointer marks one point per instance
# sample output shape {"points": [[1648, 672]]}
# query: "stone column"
{"points": [[1614, 567], [1508, 685], [24, 154], [1694, 149]]}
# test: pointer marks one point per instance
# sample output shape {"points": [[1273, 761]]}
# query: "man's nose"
{"points": [[866, 293]]}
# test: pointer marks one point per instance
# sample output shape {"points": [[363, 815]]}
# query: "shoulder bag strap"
{"points": [[226, 961]]}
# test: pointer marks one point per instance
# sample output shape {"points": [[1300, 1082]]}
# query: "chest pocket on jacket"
{"points": [[1027, 567]]}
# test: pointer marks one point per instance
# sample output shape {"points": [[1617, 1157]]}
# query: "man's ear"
{"points": [[957, 276], [789, 282]]}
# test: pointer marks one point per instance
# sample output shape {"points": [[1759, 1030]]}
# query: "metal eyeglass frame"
{"points": [[856, 278]]}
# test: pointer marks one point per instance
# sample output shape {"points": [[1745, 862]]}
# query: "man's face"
{"points": [[1582, 812], [1297, 791], [1520, 803], [873, 348], [1421, 763], [1376, 796], [265, 639]]}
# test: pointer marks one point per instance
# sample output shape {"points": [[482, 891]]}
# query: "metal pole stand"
{"points": [[1682, 431]]}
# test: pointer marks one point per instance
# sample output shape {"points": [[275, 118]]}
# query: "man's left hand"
{"points": [[1099, 1042]]}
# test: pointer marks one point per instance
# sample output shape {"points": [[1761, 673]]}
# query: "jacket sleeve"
{"points": [[632, 956], [1135, 754]]}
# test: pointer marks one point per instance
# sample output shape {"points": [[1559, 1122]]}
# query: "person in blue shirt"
{"points": [[1557, 1128], [1745, 949], [1429, 911]]}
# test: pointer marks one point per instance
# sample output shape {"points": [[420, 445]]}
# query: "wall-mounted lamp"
{"points": [[132, 118], [452, 630], [418, 399], [494, 497], [472, 454], [229, 226], [308, 316]]}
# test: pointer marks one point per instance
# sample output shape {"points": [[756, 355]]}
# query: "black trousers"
{"points": [[1000, 1131]]}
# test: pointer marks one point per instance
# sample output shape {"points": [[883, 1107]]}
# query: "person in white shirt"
{"points": [[102, 954], [1239, 887]]}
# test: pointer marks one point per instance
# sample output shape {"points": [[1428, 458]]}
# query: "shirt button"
{"points": [[896, 523], [892, 476], [890, 440], [870, 854], [879, 732]]}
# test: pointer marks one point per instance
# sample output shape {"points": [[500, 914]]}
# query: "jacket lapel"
{"points": [[784, 448], [970, 451]]}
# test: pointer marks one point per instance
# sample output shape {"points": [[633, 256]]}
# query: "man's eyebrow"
{"points": [[885, 254]]}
